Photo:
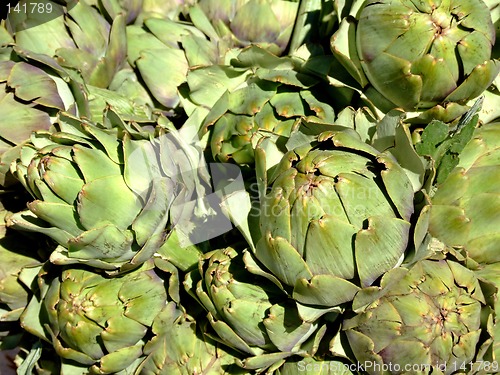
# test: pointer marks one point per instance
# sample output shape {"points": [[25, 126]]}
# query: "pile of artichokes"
{"points": [[230, 187]]}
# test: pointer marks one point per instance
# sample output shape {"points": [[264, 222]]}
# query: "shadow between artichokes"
{"points": [[181, 347]]}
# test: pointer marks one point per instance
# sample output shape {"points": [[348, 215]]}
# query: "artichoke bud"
{"points": [[19, 259], [434, 315], [108, 200], [420, 54], [246, 311], [464, 208], [336, 217], [97, 321]]}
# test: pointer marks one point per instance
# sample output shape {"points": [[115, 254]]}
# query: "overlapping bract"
{"points": [[46, 87]]}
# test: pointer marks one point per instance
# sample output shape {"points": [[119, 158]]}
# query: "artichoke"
{"points": [[104, 197], [181, 348], [35, 87], [20, 260], [96, 322], [249, 313], [336, 218], [419, 55], [266, 107], [267, 23], [464, 212], [434, 317], [31, 94]]}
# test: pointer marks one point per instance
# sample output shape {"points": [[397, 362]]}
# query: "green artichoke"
{"points": [[249, 313], [267, 23], [266, 107], [90, 49], [435, 317], [35, 87], [336, 218], [491, 274], [96, 322], [136, 11], [20, 260], [180, 347], [103, 197], [419, 55], [464, 212]]}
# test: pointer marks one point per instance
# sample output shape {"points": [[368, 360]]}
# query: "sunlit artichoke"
{"points": [[464, 211], [267, 23], [435, 317], [21, 257], [277, 93], [419, 54], [109, 201], [180, 347], [336, 218], [31, 93], [251, 314], [96, 322]]}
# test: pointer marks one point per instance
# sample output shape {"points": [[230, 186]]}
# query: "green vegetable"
{"points": [[336, 218], [433, 317], [465, 208], [249, 313], [109, 201], [96, 322]]}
